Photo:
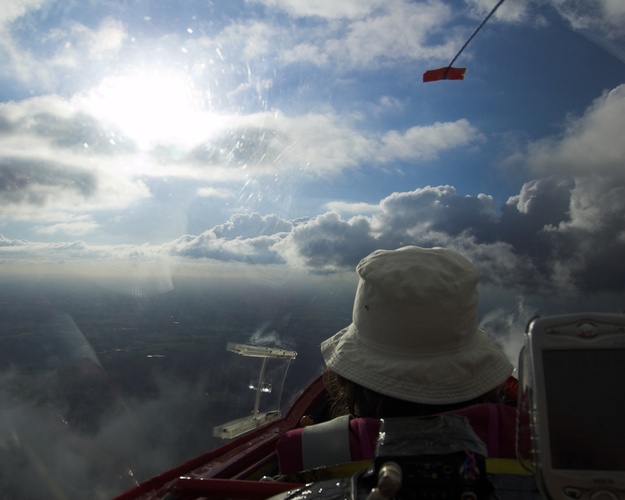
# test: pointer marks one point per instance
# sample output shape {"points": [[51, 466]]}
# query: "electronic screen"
{"points": [[586, 408]]}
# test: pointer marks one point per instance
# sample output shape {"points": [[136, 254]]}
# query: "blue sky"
{"points": [[298, 133]]}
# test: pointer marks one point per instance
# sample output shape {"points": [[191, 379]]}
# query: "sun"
{"points": [[152, 106]]}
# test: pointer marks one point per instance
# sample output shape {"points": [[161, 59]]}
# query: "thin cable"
{"points": [[475, 32]]}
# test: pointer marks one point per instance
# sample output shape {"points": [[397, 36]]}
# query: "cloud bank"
{"points": [[563, 232]]}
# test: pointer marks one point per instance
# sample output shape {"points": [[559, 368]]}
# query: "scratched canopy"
{"points": [[178, 176]]}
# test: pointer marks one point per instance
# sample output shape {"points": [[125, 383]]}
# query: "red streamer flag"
{"points": [[448, 73]]}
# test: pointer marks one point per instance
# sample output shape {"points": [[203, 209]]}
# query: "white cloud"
{"points": [[329, 9], [305, 52], [506, 326], [45, 165], [325, 144], [343, 207], [16, 60], [213, 192], [590, 144], [75, 48], [363, 35], [246, 41], [602, 19], [17, 8], [589, 157], [515, 12], [73, 226], [425, 142], [107, 39], [60, 155], [398, 33]]}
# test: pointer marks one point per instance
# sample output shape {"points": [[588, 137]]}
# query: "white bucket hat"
{"points": [[414, 332]]}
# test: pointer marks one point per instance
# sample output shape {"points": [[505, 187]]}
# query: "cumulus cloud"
{"points": [[589, 145], [534, 243], [251, 226], [66, 156], [563, 232], [583, 215], [343, 207], [257, 250]]}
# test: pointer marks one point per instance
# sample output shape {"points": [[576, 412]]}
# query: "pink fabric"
{"points": [[493, 423]]}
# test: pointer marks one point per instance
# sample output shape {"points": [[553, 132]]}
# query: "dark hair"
{"points": [[349, 398]]}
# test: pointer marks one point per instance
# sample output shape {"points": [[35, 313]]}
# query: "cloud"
{"points": [[132, 438], [589, 145], [564, 231], [18, 8], [73, 226], [343, 207], [244, 238], [5, 242], [107, 39], [425, 142], [257, 250], [54, 158], [579, 208], [327, 243], [325, 144], [506, 326], [328, 9], [601, 21], [514, 12], [214, 192], [59, 48], [251, 226], [62, 156], [37, 182], [374, 34], [533, 244]]}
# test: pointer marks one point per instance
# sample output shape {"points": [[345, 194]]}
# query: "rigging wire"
{"points": [[450, 73], [494, 9]]}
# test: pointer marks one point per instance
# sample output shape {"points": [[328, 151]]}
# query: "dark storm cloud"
{"points": [[327, 242], [537, 242], [432, 216], [34, 181]]}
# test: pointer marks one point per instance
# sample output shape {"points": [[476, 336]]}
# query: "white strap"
{"points": [[326, 443]]}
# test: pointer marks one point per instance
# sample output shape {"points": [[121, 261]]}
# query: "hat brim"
{"points": [[454, 377]]}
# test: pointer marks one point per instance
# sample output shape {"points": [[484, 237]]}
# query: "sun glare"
{"points": [[152, 107]]}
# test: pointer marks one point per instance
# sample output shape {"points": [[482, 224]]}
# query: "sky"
{"points": [[299, 135], [266, 146]]}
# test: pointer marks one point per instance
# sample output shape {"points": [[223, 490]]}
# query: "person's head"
{"points": [[413, 343]]}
